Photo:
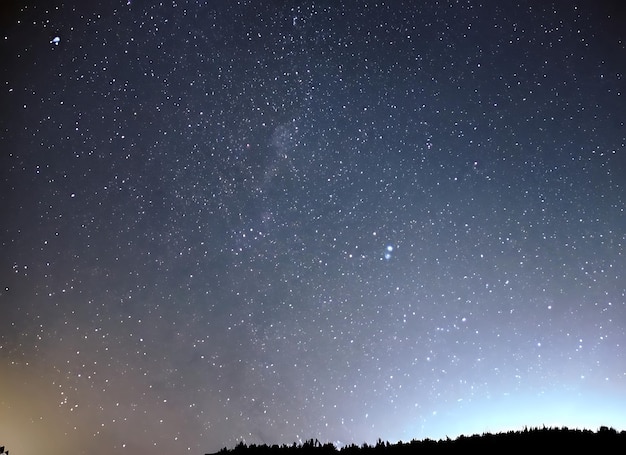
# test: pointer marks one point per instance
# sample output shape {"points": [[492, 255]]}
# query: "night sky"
{"points": [[269, 221]]}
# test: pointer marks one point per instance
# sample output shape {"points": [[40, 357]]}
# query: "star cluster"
{"points": [[275, 221]]}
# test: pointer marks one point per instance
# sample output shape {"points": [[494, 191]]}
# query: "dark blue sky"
{"points": [[275, 221]]}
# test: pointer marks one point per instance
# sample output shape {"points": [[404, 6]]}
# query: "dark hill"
{"points": [[563, 440]]}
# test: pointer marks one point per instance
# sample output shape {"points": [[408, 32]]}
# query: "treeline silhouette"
{"points": [[563, 440]]}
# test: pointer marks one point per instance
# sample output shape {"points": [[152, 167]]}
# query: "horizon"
{"points": [[319, 444]]}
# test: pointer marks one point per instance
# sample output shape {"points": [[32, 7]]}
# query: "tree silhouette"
{"points": [[528, 440]]}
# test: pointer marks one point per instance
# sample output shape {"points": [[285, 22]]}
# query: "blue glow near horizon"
{"points": [[556, 408]]}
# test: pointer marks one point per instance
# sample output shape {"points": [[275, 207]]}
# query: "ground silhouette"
{"points": [[563, 440]]}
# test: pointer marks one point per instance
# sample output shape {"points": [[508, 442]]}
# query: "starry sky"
{"points": [[269, 221]]}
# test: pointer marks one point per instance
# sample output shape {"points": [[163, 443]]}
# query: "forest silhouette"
{"points": [[564, 440]]}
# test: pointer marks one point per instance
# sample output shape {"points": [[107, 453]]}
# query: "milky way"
{"points": [[273, 221]]}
